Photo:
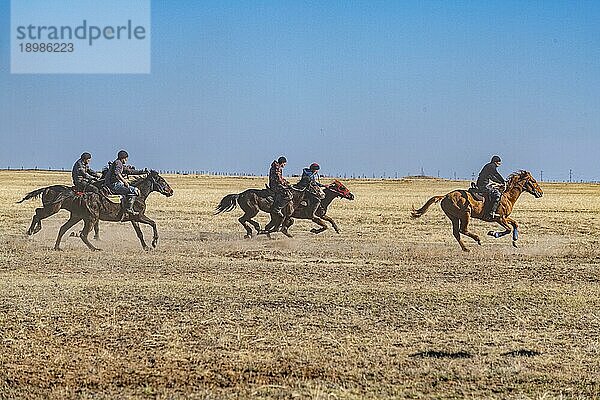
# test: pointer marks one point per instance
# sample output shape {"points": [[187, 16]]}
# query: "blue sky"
{"points": [[368, 87]]}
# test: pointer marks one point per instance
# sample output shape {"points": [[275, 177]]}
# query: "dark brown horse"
{"points": [[252, 201], [92, 207], [460, 206]]}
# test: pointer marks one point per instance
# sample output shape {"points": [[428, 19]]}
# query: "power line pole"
{"points": [[570, 175], [541, 176]]}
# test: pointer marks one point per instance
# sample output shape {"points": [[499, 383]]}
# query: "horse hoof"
{"points": [[479, 242], [515, 245], [57, 249], [147, 248], [249, 236], [466, 250]]}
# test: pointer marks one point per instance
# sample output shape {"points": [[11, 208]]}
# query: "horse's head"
{"points": [[340, 190], [528, 182], [159, 184]]}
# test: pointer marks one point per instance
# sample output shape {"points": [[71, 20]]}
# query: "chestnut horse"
{"points": [[460, 206]]}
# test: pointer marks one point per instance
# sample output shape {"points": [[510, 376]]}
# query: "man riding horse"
{"points": [[281, 187], [85, 178], [116, 182], [488, 178], [310, 182]]}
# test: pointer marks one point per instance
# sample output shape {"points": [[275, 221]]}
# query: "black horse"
{"points": [[252, 201], [92, 207]]}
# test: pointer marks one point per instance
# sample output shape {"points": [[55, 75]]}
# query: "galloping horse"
{"points": [[92, 207], [460, 206], [252, 201]]}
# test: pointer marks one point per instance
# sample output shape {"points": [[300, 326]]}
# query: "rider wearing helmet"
{"points": [[83, 176], [281, 187], [488, 178], [116, 182]]}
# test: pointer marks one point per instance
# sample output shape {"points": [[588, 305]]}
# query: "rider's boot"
{"points": [[493, 210], [129, 206]]}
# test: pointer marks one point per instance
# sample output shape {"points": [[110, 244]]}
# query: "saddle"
{"points": [[477, 194], [110, 196]]}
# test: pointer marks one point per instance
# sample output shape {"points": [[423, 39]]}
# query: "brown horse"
{"points": [[92, 207], [460, 206], [252, 201]]}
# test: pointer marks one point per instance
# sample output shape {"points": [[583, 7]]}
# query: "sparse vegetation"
{"points": [[389, 308]]}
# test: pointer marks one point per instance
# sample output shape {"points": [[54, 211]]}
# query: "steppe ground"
{"points": [[390, 308]]}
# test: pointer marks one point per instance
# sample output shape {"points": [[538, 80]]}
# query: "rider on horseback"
{"points": [[310, 181], [116, 182], [83, 176], [281, 187], [488, 178]]}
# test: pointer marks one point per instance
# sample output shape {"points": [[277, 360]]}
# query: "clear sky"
{"points": [[361, 87]]}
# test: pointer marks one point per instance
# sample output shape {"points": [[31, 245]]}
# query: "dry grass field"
{"points": [[390, 308]]}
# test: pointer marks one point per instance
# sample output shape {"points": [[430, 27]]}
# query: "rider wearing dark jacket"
{"points": [[489, 176], [83, 176], [279, 185], [116, 182]]}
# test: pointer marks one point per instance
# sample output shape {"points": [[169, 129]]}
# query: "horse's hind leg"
{"points": [[244, 219], [87, 227], [456, 231], [63, 229], [464, 226], [96, 231], [285, 226], [40, 214], [255, 224]]}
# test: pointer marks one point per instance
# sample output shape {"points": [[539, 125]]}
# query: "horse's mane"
{"points": [[517, 174], [138, 179]]}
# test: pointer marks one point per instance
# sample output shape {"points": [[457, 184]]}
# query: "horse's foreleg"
{"points": [[515, 231], [332, 222], [506, 231], [321, 223], [140, 234], [145, 220], [63, 229]]}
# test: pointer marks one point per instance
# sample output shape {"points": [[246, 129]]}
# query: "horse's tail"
{"points": [[228, 203], [423, 210], [33, 195], [63, 192]]}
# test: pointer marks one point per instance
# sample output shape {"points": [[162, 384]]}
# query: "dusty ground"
{"points": [[389, 308]]}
